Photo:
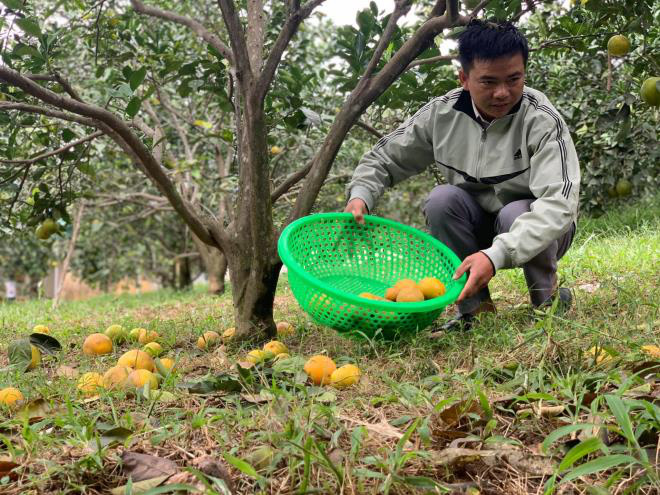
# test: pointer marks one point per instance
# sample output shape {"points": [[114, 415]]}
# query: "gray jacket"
{"points": [[527, 154]]}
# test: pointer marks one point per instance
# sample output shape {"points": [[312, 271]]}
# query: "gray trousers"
{"points": [[455, 218]]}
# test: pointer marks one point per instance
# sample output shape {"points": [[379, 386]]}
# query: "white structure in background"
{"points": [[10, 290]]}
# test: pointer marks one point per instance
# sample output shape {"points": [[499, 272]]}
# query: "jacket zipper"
{"points": [[480, 154]]}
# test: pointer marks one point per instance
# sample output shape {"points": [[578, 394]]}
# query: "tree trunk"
{"points": [[253, 294], [214, 262], [216, 271]]}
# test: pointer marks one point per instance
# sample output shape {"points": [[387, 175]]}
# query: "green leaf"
{"points": [[29, 26], [560, 432], [420, 481], [110, 437], [620, 412], [45, 343], [133, 106], [13, 4], [161, 368], [20, 354], [597, 465], [582, 449], [222, 382], [137, 77], [241, 465], [68, 134]]}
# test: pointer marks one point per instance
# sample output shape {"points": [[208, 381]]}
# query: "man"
{"points": [[510, 164]]}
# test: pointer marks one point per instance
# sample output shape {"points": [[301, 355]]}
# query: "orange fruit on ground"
{"points": [[319, 368], [281, 357], [228, 334], [406, 283], [36, 357], [97, 344], [116, 333], [431, 287], [391, 293], [154, 349], [138, 378], [134, 334], [276, 347], [410, 295], [136, 359], [345, 376], [90, 383], [10, 396], [168, 363], [41, 329], [116, 377], [284, 328], [258, 356], [146, 336], [208, 340]]}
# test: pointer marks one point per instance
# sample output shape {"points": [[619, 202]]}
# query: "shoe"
{"points": [[565, 300], [460, 323]]}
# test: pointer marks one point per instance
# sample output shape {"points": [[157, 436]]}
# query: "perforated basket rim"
{"points": [[409, 307]]}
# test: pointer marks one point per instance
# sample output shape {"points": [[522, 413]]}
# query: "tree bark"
{"points": [[253, 293]]}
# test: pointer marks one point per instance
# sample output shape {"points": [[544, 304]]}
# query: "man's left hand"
{"points": [[481, 271]]}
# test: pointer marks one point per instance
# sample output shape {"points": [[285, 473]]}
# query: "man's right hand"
{"points": [[358, 208]]}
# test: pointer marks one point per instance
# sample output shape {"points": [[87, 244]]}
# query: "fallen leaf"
{"points": [[383, 428], [213, 467], [452, 415], [454, 457], [109, 437], [652, 351], [542, 411], [589, 288], [140, 467], [7, 469], [20, 354], [187, 479], [140, 486], [46, 343], [67, 372], [36, 410], [534, 465]]}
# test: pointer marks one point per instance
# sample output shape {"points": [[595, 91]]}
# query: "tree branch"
{"points": [[192, 24], [57, 151], [369, 128], [295, 18], [255, 34], [430, 60], [290, 181], [236, 40], [401, 8], [58, 79], [24, 107]]}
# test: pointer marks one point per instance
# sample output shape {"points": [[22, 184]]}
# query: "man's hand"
{"points": [[481, 271], [358, 208]]}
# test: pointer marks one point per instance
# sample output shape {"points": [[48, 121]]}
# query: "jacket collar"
{"points": [[464, 104]]}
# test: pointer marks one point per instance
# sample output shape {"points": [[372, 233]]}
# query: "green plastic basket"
{"points": [[331, 259]]}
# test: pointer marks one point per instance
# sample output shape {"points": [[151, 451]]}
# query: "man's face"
{"points": [[495, 85]]}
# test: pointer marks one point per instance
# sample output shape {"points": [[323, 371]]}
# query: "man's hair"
{"points": [[485, 40]]}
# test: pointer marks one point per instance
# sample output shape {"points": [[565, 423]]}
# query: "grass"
{"points": [[498, 393]]}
